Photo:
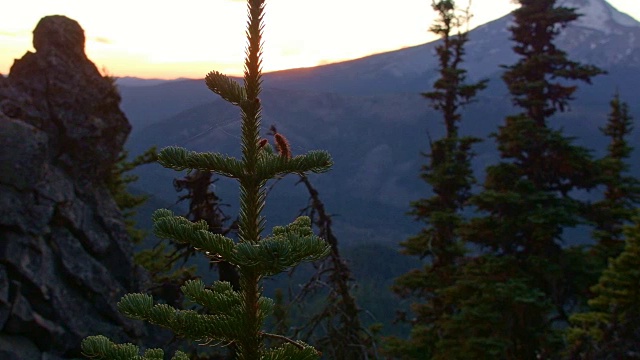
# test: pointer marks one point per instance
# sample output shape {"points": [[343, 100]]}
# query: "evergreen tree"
{"points": [[622, 191], [536, 80], [497, 312], [234, 317], [450, 175], [119, 180], [611, 330], [527, 199]]}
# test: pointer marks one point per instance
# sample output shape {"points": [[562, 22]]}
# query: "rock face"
{"points": [[65, 257]]}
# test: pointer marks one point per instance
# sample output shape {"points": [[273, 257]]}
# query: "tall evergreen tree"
{"points": [[450, 175], [235, 317], [536, 81], [610, 329], [527, 199], [622, 191]]}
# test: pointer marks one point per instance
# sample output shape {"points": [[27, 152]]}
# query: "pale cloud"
{"points": [[102, 40], [15, 34]]}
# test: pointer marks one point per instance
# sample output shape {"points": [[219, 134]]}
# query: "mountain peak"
{"points": [[599, 15]]}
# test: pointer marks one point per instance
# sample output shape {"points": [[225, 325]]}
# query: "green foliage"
{"points": [[622, 191], [498, 313], [269, 165], [290, 351], [609, 330], [527, 199], [226, 87], [119, 180], [450, 91], [287, 247], [233, 317], [101, 348]]}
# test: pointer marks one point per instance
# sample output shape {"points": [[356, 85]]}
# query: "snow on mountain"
{"points": [[624, 19], [603, 36], [599, 15]]}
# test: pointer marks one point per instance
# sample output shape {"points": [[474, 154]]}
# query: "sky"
{"points": [[188, 38]]}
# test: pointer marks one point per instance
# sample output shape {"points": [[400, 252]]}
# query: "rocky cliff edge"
{"points": [[65, 257]]}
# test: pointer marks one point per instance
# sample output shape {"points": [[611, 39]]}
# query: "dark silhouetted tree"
{"points": [[622, 190], [450, 175], [527, 200]]}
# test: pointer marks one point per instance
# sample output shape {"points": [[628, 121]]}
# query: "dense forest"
{"points": [[490, 275]]}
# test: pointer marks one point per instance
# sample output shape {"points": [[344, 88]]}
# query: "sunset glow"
{"points": [[157, 39]]}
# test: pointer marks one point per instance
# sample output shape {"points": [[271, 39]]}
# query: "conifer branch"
{"points": [[271, 165], [290, 351], [185, 323], [287, 247], [167, 226], [101, 348], [179, 159], [222, 299], [284, 338], [226, 87]]}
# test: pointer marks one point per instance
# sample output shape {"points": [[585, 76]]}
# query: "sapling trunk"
{"points": [[233, 317]]}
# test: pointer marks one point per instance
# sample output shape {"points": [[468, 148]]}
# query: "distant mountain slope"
{"points": [[135, 82], [145, 105], [603, 36], [375, 140], [368, 113]]}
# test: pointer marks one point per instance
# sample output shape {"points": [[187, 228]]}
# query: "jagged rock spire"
{"points": [[65, 257], [69, 99], [59, 33]]}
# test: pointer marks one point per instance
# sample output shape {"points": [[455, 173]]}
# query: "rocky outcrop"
{"points": [[65, 257]]}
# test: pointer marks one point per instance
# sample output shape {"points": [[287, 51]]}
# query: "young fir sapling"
{"points": [[234, 317]]}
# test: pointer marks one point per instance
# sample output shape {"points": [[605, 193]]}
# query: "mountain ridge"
{"points": [[599, 16], [410, 69], [375, 123]]}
